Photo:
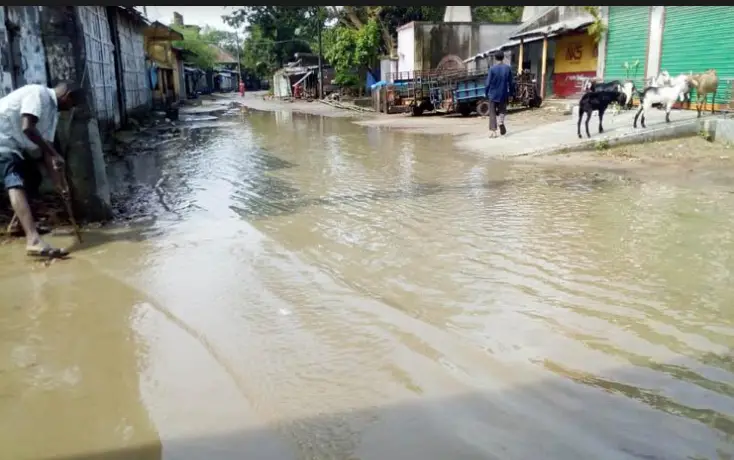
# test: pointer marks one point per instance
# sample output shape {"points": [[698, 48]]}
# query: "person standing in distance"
{"points": [[28, 119], [498, 89]]}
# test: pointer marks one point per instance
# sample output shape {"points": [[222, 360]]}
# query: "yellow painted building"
{"points": [[159, 49], [575, 58], [576, 53]]}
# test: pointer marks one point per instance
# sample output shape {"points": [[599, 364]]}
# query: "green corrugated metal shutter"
{"points": [[627, 42], [697, 38]]}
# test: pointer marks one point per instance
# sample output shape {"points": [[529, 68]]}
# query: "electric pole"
{"points": [[239, 60], [321, 67]]}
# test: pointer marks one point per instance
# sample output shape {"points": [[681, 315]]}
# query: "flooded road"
{"points": [[312, 289]]}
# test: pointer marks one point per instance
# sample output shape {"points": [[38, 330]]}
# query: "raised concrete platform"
{"points": [[719, 129], [561, 136]]}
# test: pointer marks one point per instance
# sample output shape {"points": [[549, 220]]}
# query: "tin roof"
{"points": [[529, 36], [160, 31], [557, 28], [509, 44], [223, 57], [134, 14]]}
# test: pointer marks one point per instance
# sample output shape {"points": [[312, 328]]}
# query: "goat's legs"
{"points": [[698, 105], [588, 117], [713, 101], [637, 115], [578, 128], [601, 116]]}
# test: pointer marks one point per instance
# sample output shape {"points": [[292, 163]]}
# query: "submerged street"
{"points": [[300, 287]]}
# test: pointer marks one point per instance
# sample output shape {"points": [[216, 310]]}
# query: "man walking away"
{"points": [[28, 119], [497, 89]]}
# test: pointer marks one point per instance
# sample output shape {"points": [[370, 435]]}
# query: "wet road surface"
{"points": [[309, 289]]}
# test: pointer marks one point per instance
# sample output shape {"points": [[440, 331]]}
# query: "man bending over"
{"points": [[28, 118]]}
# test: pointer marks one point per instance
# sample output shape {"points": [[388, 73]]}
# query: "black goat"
{"points": [[614, 85], [627, 87], [599, 101]]}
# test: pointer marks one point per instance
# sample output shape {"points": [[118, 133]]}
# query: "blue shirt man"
{"points": [[498, 89]]}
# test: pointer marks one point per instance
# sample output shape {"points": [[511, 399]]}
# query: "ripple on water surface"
{"points": [[409, 270]]}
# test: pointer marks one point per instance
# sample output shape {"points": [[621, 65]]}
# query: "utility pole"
{"points": [[239, 60], [321, 67]]}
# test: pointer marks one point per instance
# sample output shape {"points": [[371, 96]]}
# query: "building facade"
{"points": [[430, 45], [553, 45], [676, 39]]}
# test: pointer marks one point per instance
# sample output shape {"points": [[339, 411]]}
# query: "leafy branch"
{"points": [[598, 28]]}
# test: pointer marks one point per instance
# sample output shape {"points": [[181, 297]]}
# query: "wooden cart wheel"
{"points": [[483, 108]]}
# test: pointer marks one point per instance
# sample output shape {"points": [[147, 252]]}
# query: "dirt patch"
{"points": [[256, 101], [690, 158]]}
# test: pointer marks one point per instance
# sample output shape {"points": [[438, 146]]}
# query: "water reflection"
{"points": [[68, 367]]}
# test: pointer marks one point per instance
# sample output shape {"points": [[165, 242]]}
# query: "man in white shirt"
{"points": [[28, 119]]}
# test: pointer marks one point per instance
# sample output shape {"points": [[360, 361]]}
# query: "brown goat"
{"points": [[705, 83]]}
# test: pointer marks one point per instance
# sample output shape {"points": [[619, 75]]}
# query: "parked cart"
{"points": [[526, 91]]}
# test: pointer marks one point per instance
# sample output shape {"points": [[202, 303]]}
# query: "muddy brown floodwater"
{"points": [[305, 288]]}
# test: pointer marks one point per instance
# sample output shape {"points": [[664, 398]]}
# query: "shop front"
{"points": [[575, 61]]}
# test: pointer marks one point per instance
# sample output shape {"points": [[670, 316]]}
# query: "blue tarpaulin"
{"points": [[372, 79]]}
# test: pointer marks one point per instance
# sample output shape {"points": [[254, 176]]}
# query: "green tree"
{"points": [[279, 29], [497, 14], [222, 38], [351, 50], [202, 55], [258, 56]]}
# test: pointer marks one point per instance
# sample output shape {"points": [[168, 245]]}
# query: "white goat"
{"points": [[661, 79], [679, 80], [664, 96]]}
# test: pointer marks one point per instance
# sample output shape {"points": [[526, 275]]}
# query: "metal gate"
{"points": [[697, 38], [627, 42], [100, 62], [132, 55]]}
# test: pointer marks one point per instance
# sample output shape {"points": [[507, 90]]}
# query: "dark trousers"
{"points": [[496, 110]]}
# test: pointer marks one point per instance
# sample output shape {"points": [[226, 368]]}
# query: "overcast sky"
{"points": [[194, 15]]}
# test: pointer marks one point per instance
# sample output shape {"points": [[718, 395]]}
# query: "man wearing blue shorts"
{"points": [[28, 119]]}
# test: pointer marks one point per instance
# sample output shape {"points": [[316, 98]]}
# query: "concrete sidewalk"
{"points": [[561, 136]]}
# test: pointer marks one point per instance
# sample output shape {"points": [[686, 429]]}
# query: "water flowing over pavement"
{"points": [[312, 289]]}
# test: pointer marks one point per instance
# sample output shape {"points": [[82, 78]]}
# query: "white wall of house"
{"points": [[406, 48], [457, 14]]}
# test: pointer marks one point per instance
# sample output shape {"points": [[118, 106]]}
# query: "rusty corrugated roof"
{"points": [[223, 57]]}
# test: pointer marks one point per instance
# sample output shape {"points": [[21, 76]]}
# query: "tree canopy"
{"points": [[202, 55], [353, 36], [274, 34]]}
